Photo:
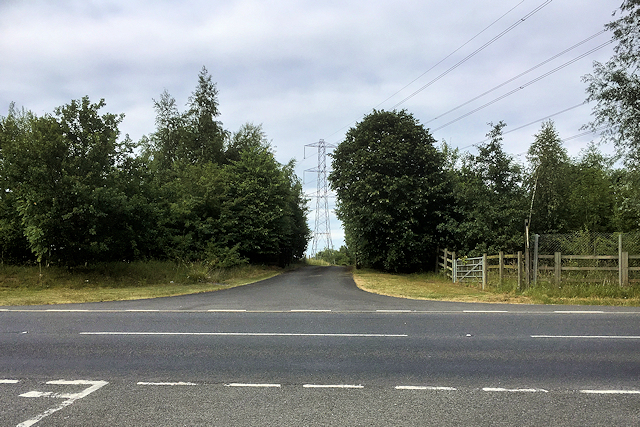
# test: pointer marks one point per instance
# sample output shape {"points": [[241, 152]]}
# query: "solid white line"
{"points": [[332, 386], [578, 311], [251, 334], [252, 385], [419, 387], [516, 390], [9, 381], [230, 310], [303, 310], [619, 337], [180, 383], [610, 391]]}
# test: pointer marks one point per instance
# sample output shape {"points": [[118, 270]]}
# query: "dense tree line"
{"points": [[400, 197], [74, 191]]}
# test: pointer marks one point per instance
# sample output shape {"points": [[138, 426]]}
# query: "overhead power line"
{"points": [[518, 76], [475, 52], [529, 83], [439, 62]]}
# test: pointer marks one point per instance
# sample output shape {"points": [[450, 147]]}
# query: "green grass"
{"points": [[30, 285], [432, 286]]}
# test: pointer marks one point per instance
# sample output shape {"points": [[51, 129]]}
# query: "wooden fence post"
{"points": [[501, 268], [484, 271], [454, 266], [624, 268], [519, 269], [558, 268], [536, 240]]}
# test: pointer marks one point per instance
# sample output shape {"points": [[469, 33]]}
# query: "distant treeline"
{"points": [[73, 191]]}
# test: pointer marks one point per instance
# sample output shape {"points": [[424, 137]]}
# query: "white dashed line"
{"points": [[332, 386], [485, 311], [515, 390], [179, 383], [578, 312], [9, 381], [251, 334], [601, 337], [230, 310], [304, 310], [420, 387], [610, 391], [253, 385], [394, 311]]}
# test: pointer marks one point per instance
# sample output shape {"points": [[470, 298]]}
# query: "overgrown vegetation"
{"points": [[433, 286], [29, 285], [72, 192]]}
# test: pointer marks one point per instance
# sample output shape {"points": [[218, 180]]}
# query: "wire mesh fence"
{"points": [[586, 257]]}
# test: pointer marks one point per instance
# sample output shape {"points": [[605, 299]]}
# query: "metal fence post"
{"points": [[519, 270], [454, 266]]}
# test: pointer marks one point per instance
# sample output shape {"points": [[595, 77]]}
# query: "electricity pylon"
{"points": [[322, 229]]}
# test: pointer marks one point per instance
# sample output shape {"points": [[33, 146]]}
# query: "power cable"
{"points": [[529, 83], [471, 55], [439, 62], [518, 76]]}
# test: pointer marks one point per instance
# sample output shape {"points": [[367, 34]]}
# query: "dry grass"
{"points": [[437, 287], [117, 282]]}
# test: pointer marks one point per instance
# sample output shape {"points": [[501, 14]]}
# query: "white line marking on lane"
{"points": [[226, 310], [251, 334], [420, 387], [485, 311], [610, 391], [305, 310], [253, 385], [9, 381], [515, 390], [332, 386], [601, 337], [393, 311], [578, 312], [179, 383], [71, 398]]}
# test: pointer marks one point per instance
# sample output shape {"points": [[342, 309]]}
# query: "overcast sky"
{"points": [[308, 70]]}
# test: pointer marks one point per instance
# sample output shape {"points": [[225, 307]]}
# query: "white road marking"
{"points": [[610, 391], [179, 383], [420, 387], [226, 310], [515, 390], [253, 385], [9, 381], [332, 386], [484, 311], [142, 311], [310, 311], [71, 397], [579, 311], [251, 334], [394, 311], [619, 337]]}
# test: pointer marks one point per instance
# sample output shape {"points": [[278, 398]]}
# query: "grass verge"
{"points": [[430, 286], [29, 285]]}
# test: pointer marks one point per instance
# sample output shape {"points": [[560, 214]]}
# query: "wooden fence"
{"points": [[547, 266]]}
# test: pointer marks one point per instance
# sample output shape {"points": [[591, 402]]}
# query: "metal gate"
{"points": [[469, 269]]}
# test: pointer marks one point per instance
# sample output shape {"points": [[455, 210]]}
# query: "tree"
{"points": [[615, 85], [69, 176], [547, 181], [590, 198], [392, 192], [490, 199]]}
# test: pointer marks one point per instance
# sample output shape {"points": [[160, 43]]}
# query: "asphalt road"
{"points": [[309, 348]]}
